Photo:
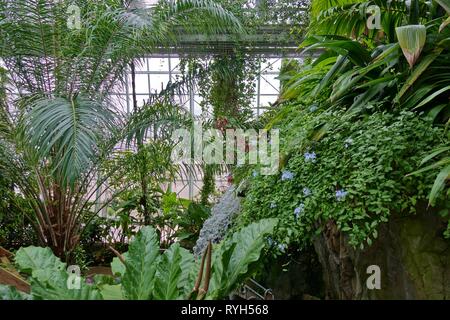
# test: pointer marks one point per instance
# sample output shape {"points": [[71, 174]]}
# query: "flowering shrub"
{"points": [[350, 170]]}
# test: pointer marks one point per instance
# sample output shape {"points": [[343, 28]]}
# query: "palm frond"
{"points": [[66, 132]]}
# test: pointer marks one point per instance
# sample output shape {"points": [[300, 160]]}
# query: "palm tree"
{"points": [[58, 122]]}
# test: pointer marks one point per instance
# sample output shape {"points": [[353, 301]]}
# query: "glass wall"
{"points": [[154, 73]]}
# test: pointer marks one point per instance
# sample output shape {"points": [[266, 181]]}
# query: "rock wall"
{"points": [[413, 257], [295, 276]]}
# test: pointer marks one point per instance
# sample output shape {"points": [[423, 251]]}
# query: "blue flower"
{"points": [[348, 142], [287, 175], [310, 157], [282, 247], [270, 241], [313, 108], [307, 192], [273, 205], [254, 173], [299, 210], [341, 194]]}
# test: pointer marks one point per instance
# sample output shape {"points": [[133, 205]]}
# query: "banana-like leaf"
{"points": [[411, 39], [11, 293], [234, 259], [143, 256], [169, 273]]}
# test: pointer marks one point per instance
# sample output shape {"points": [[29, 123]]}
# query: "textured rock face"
{"points": [[217, 224], [293, 277], [413, 257]]}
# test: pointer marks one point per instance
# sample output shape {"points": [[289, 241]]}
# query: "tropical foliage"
{"points": [[145, 274], [59, 124], [357, 123]]}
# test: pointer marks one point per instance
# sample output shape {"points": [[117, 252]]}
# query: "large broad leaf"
{"points": [[49, 279], [188, 269], [412, 39], [11, 293], [117, 267], [236, 257], [111, 292], [138, 280], [56, 287], [172, 268], [38, 262]]}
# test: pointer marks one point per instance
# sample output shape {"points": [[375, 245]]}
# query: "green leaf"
{"points": [[117, 267], [349, 48], [423, 65], [38, 262], [111, 292], [444, 4], [143, 253], [431, 97], [187, 268], [56, 287], [330, 75], [444, 24], [67, 131], [439, 184], [235, 258], [436, 152], [169, 274], [11, 293], [49, 279], [435, 165]]}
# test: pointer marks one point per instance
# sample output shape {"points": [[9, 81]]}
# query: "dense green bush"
{"points": [[354, 173], [15, 228]]}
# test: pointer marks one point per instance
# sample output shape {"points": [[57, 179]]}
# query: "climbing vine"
{"points": [[353, 173]]}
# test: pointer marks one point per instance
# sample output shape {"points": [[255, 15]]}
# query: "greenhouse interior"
{"points": [[226, 150]]}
